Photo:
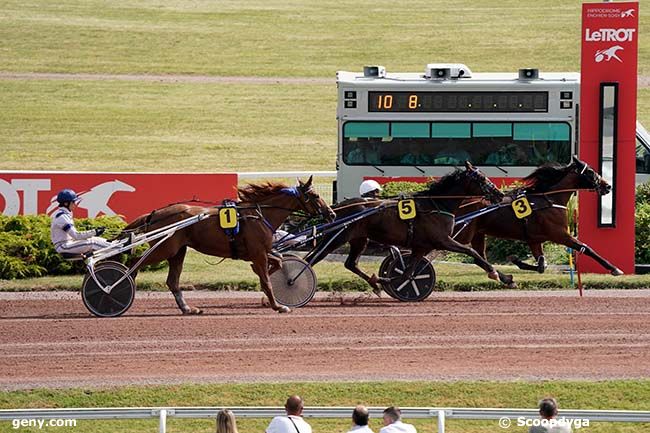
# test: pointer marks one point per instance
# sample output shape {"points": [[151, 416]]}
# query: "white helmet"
{"points": [[368, 186]]}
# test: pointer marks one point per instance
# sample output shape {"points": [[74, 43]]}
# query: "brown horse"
{"points": [[430, 229], [262, 209], [548, 190]]}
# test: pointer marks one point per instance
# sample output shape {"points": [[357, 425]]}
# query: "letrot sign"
{"points": [[125, 194], [607, 129]]}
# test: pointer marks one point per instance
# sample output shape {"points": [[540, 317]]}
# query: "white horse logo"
{"points": [[95, 201], [627, 13], [608, 54]]}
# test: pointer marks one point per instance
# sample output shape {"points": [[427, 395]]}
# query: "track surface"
{"points": [[48, 339]]}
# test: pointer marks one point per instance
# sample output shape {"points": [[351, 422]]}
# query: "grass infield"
{"points": [[622, 395], [202, 272]]}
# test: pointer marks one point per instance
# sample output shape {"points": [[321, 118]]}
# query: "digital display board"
{"points": [[443, 102]]}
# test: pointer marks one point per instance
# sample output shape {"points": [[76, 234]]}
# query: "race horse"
{"points": [[262, 209], [548, 190], [431, 229]]}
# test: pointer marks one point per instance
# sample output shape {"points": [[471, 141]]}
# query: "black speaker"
{"points": [[528, 74], [440, 73]]}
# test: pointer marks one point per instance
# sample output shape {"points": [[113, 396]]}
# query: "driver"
{"points": [[64, 235], [369, 189]]}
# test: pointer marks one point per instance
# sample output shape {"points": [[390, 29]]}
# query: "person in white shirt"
{"points": [[393, 422], [360, 417], [549, 422], [64, 235], [292, 422]]}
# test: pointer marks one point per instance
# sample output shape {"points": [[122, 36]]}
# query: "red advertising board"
{"points": [[609, 58], [127, 194]]}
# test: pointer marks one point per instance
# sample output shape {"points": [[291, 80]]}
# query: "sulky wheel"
{"points": [[119, 299], [295, 284], [385, 266], [416, 288]]}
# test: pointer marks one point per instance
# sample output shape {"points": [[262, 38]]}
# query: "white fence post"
{"points": [[441, 421], [162, 427]]}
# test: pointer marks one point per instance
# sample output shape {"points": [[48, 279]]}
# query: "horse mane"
{"points": [[442, 185], [257, 191], [545, 177]]}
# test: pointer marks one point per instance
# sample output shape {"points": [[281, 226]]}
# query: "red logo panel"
{"points": [[609, 55], [126, 194]]}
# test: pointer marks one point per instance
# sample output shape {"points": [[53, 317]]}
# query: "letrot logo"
{"points": [[627, 13], [609, 35], [608, 54], [95, 200]]}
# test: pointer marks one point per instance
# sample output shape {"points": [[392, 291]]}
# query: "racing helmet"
{"points": [[66, 196], [368, 186]]}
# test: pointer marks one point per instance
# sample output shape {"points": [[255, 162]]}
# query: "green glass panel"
{"points": [[492, 129], [410, 130], [365, 129], [450, 130], [542, 131]]}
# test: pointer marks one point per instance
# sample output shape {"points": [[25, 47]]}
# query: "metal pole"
{"points": [[162, 427], [441, 421]]}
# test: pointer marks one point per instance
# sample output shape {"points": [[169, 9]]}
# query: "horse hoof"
{"points": [[511, 285], [265, 302], [193, 311], [616, 272], [494, 275], [283, 309]]}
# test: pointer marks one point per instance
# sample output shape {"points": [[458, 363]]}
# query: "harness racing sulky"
{"points": [[239, 230]]}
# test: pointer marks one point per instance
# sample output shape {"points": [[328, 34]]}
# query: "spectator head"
{"points": [[392, 414], [294, 405], [548, 408], [360, 415], [226, 422]]}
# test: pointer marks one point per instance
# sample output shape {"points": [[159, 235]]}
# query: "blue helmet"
{"points": [[67, 195]]}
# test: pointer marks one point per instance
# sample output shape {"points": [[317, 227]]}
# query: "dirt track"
{"points": [[48, 339]]}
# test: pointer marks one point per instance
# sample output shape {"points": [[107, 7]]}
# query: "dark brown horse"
{"points": [[548, 190], [262, 209], [430, 229]]}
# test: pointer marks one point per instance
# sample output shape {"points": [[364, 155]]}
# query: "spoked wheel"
{"points": [[118, 300], [416, 288], [295, 284], [385, 266]]}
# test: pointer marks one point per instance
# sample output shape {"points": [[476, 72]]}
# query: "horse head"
{"points": [[486, 187], [313, 203], [588, 178]]}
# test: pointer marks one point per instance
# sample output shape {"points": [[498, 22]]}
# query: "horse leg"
{"points": [[260, 266], [173, 279], [275, 263], [479, 245], [538, 253], [571, 242], [357, 247], [452, 245]]}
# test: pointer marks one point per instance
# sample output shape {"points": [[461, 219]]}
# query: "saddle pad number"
{"points": [[521, 207], [228, 218], [406, 209]]}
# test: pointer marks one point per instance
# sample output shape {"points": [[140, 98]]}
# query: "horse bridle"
{"points": [[490, 190], [304, 196], [593, 176]]}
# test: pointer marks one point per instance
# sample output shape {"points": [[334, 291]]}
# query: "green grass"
{"points": [[622, 395], [203, 273], [122, 126], [290, 38], [142, 126]]}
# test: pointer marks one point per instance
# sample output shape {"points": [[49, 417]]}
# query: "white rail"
{"points": [[441, 414]]}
